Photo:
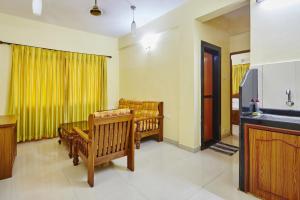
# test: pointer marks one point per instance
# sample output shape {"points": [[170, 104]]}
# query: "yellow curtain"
{"points": [[50, 87], [86, 85], [238, 73], [36, 95]]}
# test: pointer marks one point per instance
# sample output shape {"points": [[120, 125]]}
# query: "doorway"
{"points": [[239, 65], [210, 94]]}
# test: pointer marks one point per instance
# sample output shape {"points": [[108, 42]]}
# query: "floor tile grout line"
{"points": [[133, 186], [213, 179]]}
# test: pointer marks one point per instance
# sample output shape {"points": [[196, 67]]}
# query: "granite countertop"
{"points": [[280, 121]]}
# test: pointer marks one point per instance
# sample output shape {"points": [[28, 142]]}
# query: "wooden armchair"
{"points": [[111, 136], [148, 118]]}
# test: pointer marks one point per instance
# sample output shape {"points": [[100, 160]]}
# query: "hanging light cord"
{"points": [[133, 9]]}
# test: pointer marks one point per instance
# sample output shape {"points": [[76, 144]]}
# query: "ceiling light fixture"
{"points": [[133, 24], [149, 41], [37, 7], [259, 1], [95, 11]]}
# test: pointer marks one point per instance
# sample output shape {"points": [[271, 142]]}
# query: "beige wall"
{"points": [[5, 63], [240, 42], [275, 31], [178, 64], [154, 76], [28, 32], [215, 35]]}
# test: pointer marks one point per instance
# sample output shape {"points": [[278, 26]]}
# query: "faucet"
{"points": [[289, 102]]}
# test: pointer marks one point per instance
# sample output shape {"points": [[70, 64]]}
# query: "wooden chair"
{"points": [[149, 119], [109, 138]]}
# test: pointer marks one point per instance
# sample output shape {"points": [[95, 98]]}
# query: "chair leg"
{"points": [[138, 144], [160, 137], [130, 163], [75, 160], [91, 175], [130, 157], [75, 155], [138, 140]]}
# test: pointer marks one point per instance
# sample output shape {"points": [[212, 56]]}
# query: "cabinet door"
{"points": [[274, 165], [277, 78]]}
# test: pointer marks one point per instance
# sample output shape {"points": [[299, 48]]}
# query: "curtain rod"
{"points": [[8, 43]]}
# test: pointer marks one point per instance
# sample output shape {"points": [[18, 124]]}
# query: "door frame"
{"points": [[231, 54], [217, 93]]}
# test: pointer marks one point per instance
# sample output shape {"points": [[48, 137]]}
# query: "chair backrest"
{"points": [[143, 108], [111, 133]]}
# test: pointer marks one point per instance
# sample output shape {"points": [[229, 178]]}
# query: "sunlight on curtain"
{"points": [[50, 87], [238, 73], [36, 93], [86, 85]]}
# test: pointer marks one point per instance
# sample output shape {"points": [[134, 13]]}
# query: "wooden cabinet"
{"points": [[8, 145], [273, 163]]}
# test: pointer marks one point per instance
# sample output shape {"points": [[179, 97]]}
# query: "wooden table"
{"points": [[8, 145], [67, 134]]}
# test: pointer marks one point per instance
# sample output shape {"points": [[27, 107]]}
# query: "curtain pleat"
{"points": [[87, 85], [238, 73], [50, 87]]}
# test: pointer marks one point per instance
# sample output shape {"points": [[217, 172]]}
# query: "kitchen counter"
{"points": [[278, 121]]}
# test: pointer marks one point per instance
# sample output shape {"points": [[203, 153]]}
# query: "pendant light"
{"points": [[133, 24], [95, 11], [37, 7]]}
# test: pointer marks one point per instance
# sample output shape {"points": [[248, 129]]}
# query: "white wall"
{"points": [[275, 31], [243, 58], [28, 32], [275, 42]]}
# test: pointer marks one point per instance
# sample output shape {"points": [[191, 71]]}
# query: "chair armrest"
{"points": [[82, 134]]}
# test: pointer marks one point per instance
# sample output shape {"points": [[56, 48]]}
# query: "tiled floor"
{"points": [[236, 130], [43, 171]]}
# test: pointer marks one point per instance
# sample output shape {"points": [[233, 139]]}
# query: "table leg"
{"points": [[71, 148], [59, 133]]}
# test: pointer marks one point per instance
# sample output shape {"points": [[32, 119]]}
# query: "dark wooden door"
{"points": [[210, 94], [208, 97]]}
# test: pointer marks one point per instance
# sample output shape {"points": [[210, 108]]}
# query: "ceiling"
{"points": [[235, 22], [115, 21]]}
